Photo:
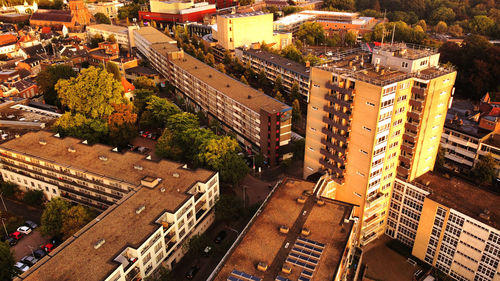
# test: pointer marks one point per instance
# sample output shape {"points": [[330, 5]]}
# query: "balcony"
{"points": [[403, 172], [336, 88], [414, 114], [339, 100], [200, 213], [333, 135], [133, 274], [332, 167], [411, 125], [416, 103], [420, 92], [337, 125], [373, 201], [332, 156], [329, 144]]}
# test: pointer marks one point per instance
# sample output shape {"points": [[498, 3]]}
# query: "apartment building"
{"points": [[244, 29], [449, 224], [124, 35], [341, 21], [318, 232], [277, 66], [369, 111], [163, 202], [110, 9], [465, 139], [259, 122], [177, 11]]}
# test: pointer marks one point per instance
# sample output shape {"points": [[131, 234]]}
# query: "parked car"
{"points": [[29, 260], [206, 251], [55, 241], [11, 241], [220, 236], [21, 267], [39, 253], [16, 235], [192, 272], [48, 247], [31, 224], [24, 229]]}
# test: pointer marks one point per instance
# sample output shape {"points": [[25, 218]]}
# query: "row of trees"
{"points": [[480, 17]]}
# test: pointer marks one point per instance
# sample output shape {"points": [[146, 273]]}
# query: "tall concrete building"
{"points": [[368, 111]]}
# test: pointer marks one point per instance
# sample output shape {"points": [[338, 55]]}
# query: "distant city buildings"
{"points": [[176, 11], [124, 35], [76, 18], [109, 9], [162, 202], [342, 21]]}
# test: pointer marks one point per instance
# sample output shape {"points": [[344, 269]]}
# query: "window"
{"points": [[367, 129], [370, 104]]}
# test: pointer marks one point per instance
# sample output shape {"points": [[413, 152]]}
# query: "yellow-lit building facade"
{"points": [[359, 112], [240, 30]]}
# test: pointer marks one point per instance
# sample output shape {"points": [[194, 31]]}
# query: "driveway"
{"points": [[22, 210], [384, 264], [28, 243]]}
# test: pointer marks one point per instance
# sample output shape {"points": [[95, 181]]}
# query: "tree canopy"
{"points": [[48, 78], [91, 93], [61, 219], [101, 18], [312, 32], [6, 262], [484, 170]]}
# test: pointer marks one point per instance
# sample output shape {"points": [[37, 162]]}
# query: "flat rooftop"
{"points": [[294, 18], [263, 241], [458, 119], [356, 63], [153, 35], [76, 258], [280, 61], [109, 28], [242, 15], [463, 196], [234, 89]]}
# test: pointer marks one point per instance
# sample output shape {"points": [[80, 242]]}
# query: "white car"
{"points": [[21, 266], [24, 230]]}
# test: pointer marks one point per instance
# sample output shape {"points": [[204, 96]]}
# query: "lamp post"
{"points": [[1, 197], [4, 228]]}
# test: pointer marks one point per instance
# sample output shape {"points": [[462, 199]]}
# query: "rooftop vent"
{"points": [[103, 158], [115, 149], [42, 142], [209, 75], [485, 214], [249, 96], [99, 243], [140, 209], [175, 175], [148, 157], [138, 167], [57, 135], [162, 189], [71, 149], [227, 85], [85, 142], [195, 67]]}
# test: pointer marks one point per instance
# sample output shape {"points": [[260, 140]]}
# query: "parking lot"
{"points": [[28, 243]]}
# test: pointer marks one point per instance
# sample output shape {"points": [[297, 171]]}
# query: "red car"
{"points": [[48, 247], [16, 235]]}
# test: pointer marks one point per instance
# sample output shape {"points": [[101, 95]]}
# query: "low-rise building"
{"points": [[138, 71], [297, 235], [106, 52], [449, 224], [260, 122], [109, 9], [177, 11], [75, 19], [292, 23], [342, 21], [277, 66], [124, 35], [159, 206]]}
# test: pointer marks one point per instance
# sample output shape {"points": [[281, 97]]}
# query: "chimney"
{"points": [[308, 64]]}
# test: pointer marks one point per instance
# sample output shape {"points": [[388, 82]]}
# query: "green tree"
{"points": [[101, 18], [298, 148], [227, 58], [422, 24], [53, 217], [75, 218], [233, 168], [440, 157], [158, 110], [455, 30], [209, 59], [296, 113], [291, 52], [312, 32], [79, 126], [350, 38], [334, 40], [295, 91], [443, 14], [482, 25], [95, 40], [228, 207], [278, 84], [195, 245], [312, 59], [246, 2], [8, 189], [91, 93], [121, 124], [262, 78], [33, 197], [141, 97], [7, 262], [279, 97], [47, 79], [484, 171], [113, 69], [212, 152], [441, 27], [339, 4], [143, 82], [220, 67], [182, 122], [243, 80]]}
